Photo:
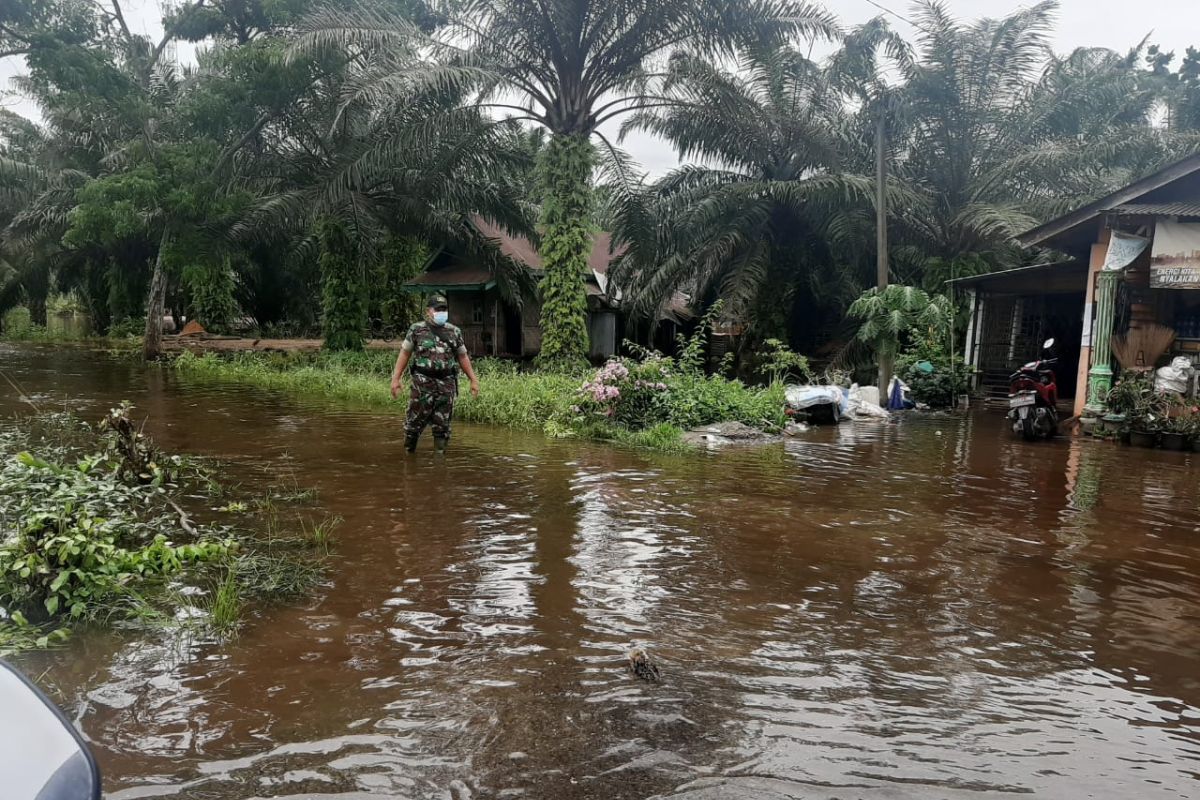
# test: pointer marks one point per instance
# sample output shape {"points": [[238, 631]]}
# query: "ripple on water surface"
{"points": [[925, 609]]}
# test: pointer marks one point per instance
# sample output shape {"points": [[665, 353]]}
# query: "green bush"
{"points": [[779, 362], [652, 389], [938, 388], [18, 325], [934, 376], [126, 328], [79, 540], [84, 538], [638, 395]]}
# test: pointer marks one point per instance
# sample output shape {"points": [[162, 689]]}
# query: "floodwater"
{"points": [[926, 609]]}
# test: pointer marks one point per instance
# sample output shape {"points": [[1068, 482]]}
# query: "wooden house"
{"points": [[510, 328]]}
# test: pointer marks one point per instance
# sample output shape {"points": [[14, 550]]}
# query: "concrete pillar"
{"points": [[970, 354], [1095, 264], [1100, 376]]}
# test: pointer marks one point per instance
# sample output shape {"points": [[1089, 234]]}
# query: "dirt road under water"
{"points": [[919, 610]]}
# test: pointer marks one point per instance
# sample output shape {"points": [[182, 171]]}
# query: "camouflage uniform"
{"points": [[433, 370]]}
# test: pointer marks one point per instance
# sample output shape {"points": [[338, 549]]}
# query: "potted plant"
{"points": [[1143, 433], [1176, 433], [1134, 397], [1179, 425]]}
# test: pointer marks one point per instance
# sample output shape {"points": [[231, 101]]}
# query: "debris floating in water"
{"points": [[642, 667]]}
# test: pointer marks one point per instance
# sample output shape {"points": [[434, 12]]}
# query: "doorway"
{"points": [[513, 341]]}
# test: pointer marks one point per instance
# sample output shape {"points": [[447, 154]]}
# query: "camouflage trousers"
{"points": [[431, 402]]}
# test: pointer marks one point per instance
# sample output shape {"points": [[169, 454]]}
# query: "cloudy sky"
{"points": [[1117, 24]]}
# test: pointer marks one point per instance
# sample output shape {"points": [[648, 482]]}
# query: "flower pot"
{"points": [[1174, 441], [1143, 438]]}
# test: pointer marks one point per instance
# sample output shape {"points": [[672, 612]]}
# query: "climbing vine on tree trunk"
{"points": [[565, 174], [344, 300]]}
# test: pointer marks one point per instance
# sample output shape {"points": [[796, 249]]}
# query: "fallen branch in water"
{"points": [[185, 521]]}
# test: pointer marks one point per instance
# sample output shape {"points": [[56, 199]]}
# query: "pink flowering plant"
{"points": [[629, 393], [652, 391]]}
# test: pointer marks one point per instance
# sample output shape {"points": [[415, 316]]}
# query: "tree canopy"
{"points": [[216, 188]]}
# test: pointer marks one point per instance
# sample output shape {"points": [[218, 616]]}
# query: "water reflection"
{"points": [[918, 609]]}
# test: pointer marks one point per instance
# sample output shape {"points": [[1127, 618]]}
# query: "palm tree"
{"points": [[998, 132], [770, 219], [418, 167], [568, 66]]}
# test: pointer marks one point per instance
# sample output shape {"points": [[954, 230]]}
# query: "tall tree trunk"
{"points": [[566, 173], [37, 309], [881, 245], [155, 303]]}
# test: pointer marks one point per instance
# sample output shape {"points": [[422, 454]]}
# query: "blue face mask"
{"points": [[441, 317]]}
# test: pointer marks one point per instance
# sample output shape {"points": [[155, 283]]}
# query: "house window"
{"points": [[477, 313]]}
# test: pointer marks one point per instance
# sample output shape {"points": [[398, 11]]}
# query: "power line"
{"points": [[898, 16]]}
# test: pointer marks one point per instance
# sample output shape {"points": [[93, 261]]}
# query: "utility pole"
{"points": [[881, 242]]}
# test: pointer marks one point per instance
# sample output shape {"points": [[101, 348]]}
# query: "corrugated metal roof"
{"points": [[454, 276], [1159, 209]]}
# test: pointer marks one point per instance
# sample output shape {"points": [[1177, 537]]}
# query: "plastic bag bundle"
{"points": [[1175, 378]]}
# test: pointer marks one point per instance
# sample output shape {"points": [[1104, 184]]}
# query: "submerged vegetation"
{"points": [[92, 532]]}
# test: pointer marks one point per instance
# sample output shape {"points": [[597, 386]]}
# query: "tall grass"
{"points": [[509, 397], [224, 604]]}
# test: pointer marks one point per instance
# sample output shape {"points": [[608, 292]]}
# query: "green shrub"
{"points": [[938, 382], [652, 389], [779, 362], [86, 539], [18, 325], [126, 328], [79, 540]]}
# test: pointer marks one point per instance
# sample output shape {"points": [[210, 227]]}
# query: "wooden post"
{"points": [[881, 243]]}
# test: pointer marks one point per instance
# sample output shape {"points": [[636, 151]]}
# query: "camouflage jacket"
{"points": [[435, 350]]}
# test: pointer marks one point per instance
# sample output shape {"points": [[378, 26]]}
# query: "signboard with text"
{"points": [[1175, 256]]}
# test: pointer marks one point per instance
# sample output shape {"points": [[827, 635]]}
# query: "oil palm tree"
{"points": [[374, 171], [768, 217], [568, 66], [999, 132]]}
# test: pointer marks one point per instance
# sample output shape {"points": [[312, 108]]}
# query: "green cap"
{"points": [[438, 299]]}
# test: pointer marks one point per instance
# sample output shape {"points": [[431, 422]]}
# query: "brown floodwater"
{"points": [[925, 609]]}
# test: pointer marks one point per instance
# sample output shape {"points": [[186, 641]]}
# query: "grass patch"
{"points": [[657, 399], [510, 397], [224, 602]]}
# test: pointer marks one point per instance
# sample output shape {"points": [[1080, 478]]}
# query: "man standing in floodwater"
{"points": [[436, 350]]}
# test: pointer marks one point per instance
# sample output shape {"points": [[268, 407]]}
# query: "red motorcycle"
{"points": [[1033, 399]]}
